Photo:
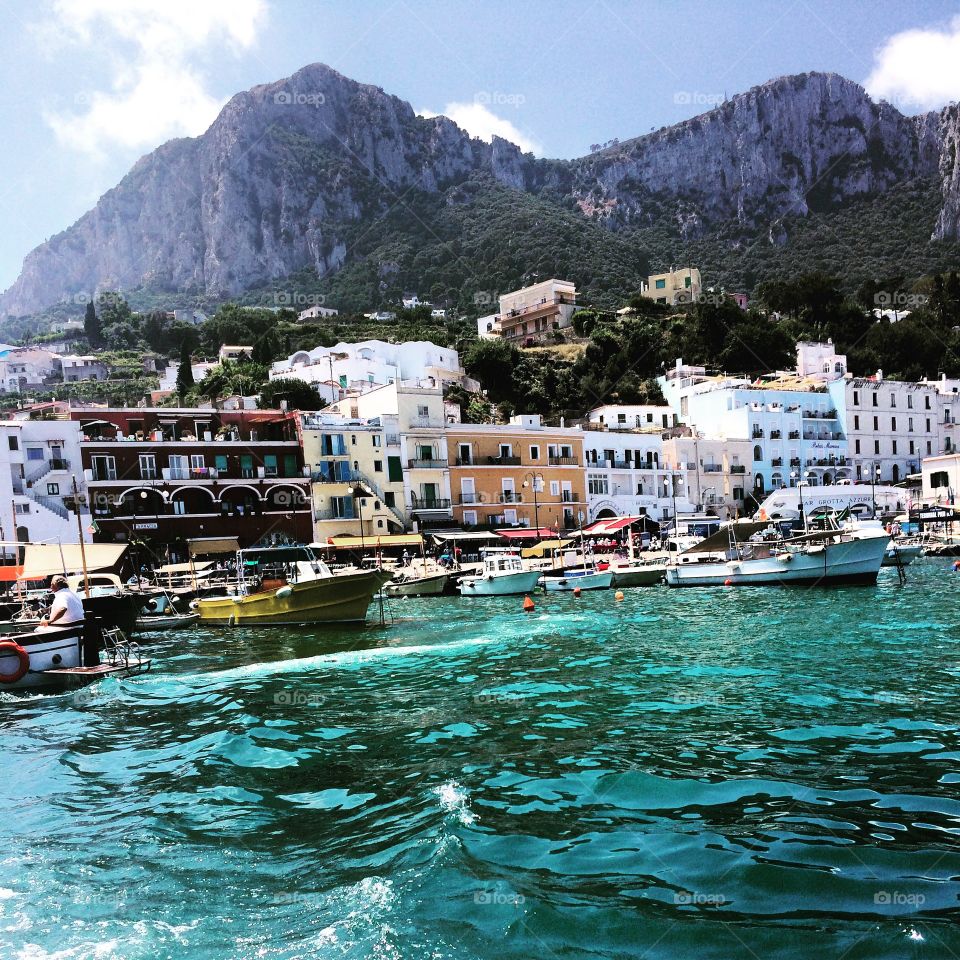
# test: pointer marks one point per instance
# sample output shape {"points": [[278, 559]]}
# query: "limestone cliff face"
{"points": [[263, 193], [272, 187], [948, 223], [784, 148]]}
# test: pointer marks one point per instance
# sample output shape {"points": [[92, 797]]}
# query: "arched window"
{"points": [[758, 483], [896, 473], [757, 453], [776, 481]]}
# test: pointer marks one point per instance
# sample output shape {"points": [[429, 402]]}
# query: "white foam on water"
{"points": [[915, 935], [455, 799]]}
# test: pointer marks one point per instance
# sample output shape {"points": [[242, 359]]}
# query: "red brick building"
{"points": [[167, 475]]}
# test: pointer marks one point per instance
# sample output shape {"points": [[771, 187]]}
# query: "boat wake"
{"points": [[455, 799]]}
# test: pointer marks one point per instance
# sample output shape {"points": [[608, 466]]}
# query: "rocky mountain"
{"points": [[299, 177]]}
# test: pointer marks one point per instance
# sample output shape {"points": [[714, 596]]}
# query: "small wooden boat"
{"points": [[638, 574], [430, 585], [169, 621]]}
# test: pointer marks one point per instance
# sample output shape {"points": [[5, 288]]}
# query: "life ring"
{"points": [[10, 646]]}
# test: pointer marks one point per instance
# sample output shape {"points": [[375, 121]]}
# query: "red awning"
{"points": [[526, 534], [10, 573], [611, 525]]}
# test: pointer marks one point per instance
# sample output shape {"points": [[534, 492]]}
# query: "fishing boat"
{"points": [[759, 553], [290, 585], [501, 574], [61, 659], [410, 584], [639, 574], [588, 578]]}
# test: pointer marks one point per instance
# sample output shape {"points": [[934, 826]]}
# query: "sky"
{"points": [[89, 86]]}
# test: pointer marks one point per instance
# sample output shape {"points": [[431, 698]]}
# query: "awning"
{"points": [[45, 559], [373, 542], [201, 546], [459, 535], [184, 567], [9, 573], [544, 547], [530, 533], [600, 528]]}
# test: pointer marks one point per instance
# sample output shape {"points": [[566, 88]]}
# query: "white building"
{"points": [[168, 381], [26, 368], [316, 312], [633, 417], [76, 368], [38, 461], [532, 313], [359, 367]]}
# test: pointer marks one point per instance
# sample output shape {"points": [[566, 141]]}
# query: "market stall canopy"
{"points": [[204, 545], [544, 547], [603, 528], [526, 533], [373, 543], [45, 559], [458, 535]]}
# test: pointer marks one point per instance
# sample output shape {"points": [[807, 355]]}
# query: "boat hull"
{"points": [[851, 561], [339, 599], [640, 576], [902, 556], [420, 587], [173, 622], [503, 585], [582, 581]]}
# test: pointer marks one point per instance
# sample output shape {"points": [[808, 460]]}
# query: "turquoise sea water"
{"points": [[719, 773]]}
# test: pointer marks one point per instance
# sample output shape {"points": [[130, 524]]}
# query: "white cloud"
{"points": [[480, 121], [919, 69], [150, 48]]}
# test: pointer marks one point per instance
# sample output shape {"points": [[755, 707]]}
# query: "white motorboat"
{"points": [[755, 553], [501, 575], [65, 658], [901, 553]]}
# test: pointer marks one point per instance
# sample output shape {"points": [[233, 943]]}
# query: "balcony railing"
{"points": [[464, 461], [568, 496], [509, 496], [504, 461], [562, 461], [777, 461], [712, 468], [430, 504], [738, 468], [794, 435], [775, 434], [422, 464]]}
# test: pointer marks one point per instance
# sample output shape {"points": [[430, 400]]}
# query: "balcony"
{"points": [[757, 434], [712, 468], [508, 496], [103, 474], [417, 505], [794, 435], [504, 461], [738, 468], [775, 434], [469, 499], [426, 423], [563, 461], [421, 464], [464, 461], [568, 496], [777, 462], [794, 461]]}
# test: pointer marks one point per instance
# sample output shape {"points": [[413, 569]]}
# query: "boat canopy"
{"points": [[285, 554], [43, 560], [458, 535], [201, 546], [738, 531], [526, 533], [602, 528], [185, 567]]}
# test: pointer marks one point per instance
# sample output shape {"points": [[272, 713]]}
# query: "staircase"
{"points": [[47, 467], [49, 503], [374, 490]]}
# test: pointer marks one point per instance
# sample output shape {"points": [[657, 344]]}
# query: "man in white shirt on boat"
{"points": [[66, 609]]}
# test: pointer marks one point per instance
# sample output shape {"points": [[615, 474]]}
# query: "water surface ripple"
{"points": [[719, 773]]}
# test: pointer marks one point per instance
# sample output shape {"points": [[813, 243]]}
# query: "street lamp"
{"points": [[875, 472], [531, 480]]}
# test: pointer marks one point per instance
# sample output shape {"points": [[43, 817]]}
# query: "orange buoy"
{"points": [[576, 591], [956, 565], [618, 596], [528, 605], [728, 583]]}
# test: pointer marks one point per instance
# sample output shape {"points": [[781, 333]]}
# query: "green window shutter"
{"points": [[394, 470], [289, 465], [221, 463]]}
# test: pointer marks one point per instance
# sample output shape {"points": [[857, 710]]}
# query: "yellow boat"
{"points": [[289, 585]]}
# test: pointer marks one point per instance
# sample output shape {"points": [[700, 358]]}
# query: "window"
{"points": [[856, 398], [341, 508], [148, 466], [378, 466], [22, 507], [875, 400], [926, 403], [876, 423], [910, 424], [660, 284], [376, 439], [220, 461], [894, 445], [470, 518], [929, 448], [686, 282], [510, 517], [554, 488], [353, 440], [893, 424], [876, 446], [390, 499], [534, 452], [198, 466], [912, 448], [856, 422], [53, 489], [423, 410], [757, 453], [246, 466], [34, 453], [597, 485], [910, 401], [269, 465], [103, 468], [179, 506], [893, 400], [940, 479], [506, 450], [928, 424], [856, 445]]}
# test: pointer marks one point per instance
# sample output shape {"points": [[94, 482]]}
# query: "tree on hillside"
{"points": [[298, 394], [185, 371], [264, 349], [92, 326], [492, 362]]}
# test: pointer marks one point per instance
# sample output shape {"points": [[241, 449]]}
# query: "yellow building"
{"points": [[673, 287], [356, 473], [517, 474]]}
